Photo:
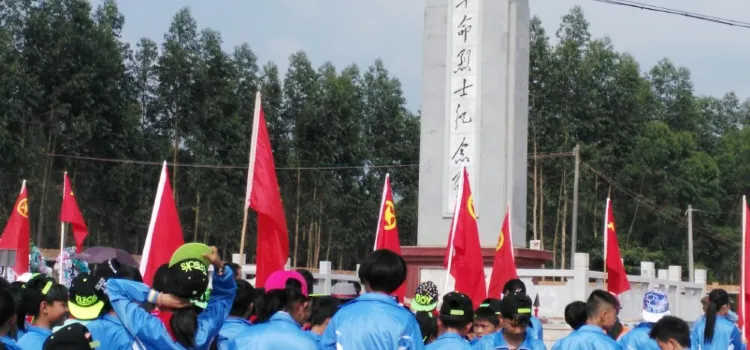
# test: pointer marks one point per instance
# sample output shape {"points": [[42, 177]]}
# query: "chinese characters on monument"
{"points": [[462, 118]]}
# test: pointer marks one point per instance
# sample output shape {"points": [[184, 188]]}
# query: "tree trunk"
{"points": [[296, 221], [312, 230], [45, 179], [541, 205], [205, 233], [197, 215], [536, 192], [596, 198], [174, 162], [564, 222]]}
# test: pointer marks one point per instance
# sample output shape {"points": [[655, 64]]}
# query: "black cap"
{"points": [[74, 336], [188, 279], [516, 305], [458, 305], [492, 304], [86, 296]]}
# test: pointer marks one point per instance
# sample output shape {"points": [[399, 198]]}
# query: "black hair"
{"points": [[575, 314], [161, 278], [184, 323], [36, 291], [4, 284], [670, 327], [383, 270], [486, 314], [514, 286], [309, 279], [236, 269], [7, 306], [716, 299], [121, 271], [281, 299], [323, 308], [243, 299], [357, 287], [597, 299], [427, 325], [16, 290], [258, 295]]}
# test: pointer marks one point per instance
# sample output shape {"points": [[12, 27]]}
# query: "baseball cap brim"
{"points": [[421, 307], [191, 251], [86, 313], [652, 317]]}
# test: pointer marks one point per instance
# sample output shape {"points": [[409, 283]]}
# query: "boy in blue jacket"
{"points": [[375, 321], [601, 311], [456, 316], [516, 314]]}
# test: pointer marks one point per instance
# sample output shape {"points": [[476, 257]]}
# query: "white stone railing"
{"points": [[558, 288]]}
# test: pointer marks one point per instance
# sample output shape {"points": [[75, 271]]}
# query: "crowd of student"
{"points": [[112, 308]]}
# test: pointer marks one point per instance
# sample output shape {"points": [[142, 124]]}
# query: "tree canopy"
{"points": [[77, 97]]}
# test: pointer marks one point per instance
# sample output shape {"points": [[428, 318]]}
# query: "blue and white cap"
{"points": [[655, 306]]}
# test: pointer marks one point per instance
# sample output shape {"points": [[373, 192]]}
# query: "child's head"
{"points": [[456, 313], [486, 317], [16, 290], [382, 271], [285, 291], [323, 309], [161, 278], [243, 300], [575, 314], [187, 279], [87, 296], [309, 279], [45, 300], [427, 325], [514, 286], [73, 336], [671, 333], [516, 314], [7, 311]]}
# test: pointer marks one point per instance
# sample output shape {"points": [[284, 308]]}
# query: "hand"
{"points": [[172, 302], [215, 260]]}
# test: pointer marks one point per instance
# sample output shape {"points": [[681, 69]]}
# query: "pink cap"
{"points": [[277, 281]]}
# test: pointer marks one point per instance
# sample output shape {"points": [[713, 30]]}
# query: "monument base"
{"points": [[418, 258]]}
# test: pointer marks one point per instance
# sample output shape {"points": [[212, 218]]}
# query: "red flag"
{"points": [[16, 234], [463, 257], [272, 250], [386, 237], [70, 213], [743, 297], [617, 279], [504, 265], [164, 231]]}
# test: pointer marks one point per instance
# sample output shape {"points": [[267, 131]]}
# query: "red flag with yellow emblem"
{"points": [[69, 212], [386, 236], [463, 258], [617, 279], [16, 234], [504, 265]]}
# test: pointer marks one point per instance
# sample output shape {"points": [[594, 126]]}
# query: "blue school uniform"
{"points": [[110, 333], [34, 338]]}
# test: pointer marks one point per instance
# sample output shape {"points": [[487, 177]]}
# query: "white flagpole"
{"points": [[743, 283], [154, 212], [380, 216], [62, 234], [456, 210], [250, 173], [606, 219], [510, 231]]}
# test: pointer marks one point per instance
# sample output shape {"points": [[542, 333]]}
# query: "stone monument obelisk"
{"points": [[475, 113]]}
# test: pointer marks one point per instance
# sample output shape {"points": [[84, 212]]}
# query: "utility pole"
{"points": [[691, 267], [576, 179]]}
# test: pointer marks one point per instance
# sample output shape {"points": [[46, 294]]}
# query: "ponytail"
{"points": [[280, 300], [184, 323], [716, 300]]}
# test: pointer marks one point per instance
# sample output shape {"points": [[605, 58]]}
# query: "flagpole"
{"points": [[250, 173], [62, 234], [382, 205], [606, 218], [456, 210], [510, 231], [743, 283]]}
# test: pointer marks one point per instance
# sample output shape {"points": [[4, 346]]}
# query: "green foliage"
{"points": [[71, 86]]}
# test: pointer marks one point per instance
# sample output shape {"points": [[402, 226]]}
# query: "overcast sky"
{"points": [[359, 31]]}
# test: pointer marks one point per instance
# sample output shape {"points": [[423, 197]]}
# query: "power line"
{"points": [[651, 208], [244, 166], [661, 9]]}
